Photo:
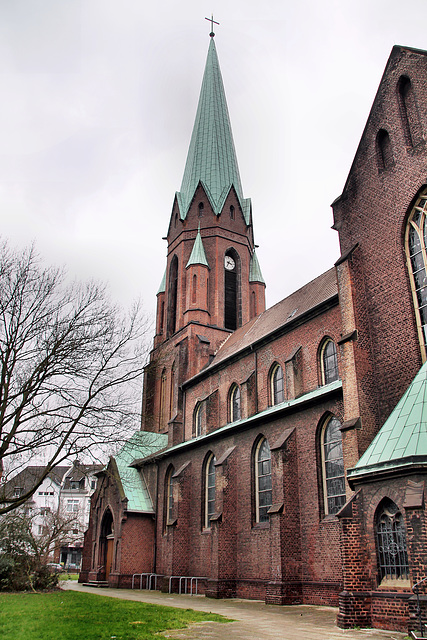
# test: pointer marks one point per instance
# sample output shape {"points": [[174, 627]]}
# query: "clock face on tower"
{"points": [[229, 263]]}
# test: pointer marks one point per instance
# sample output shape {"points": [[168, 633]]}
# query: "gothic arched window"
{"points": [[173, 295], [277, 385], [209, 501], [198, 419], [263, 484], [234, 403], [416, 241], [328, 361], [333, 466], [231, 290], [391, 542]]}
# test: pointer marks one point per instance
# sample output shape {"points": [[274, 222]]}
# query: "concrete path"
{"points": [[253, 620]]}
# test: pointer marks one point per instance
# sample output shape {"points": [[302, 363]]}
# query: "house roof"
{"points": [[211, 158], [141, 444], [286, 312], [79, 471], [29, 476], [402, 440]]}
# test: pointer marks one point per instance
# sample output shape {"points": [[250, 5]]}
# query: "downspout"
{"points": [[256, 377], [156, 519]]}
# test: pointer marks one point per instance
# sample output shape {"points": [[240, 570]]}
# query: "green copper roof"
{"points": [[198, 255], [255, 274], [141, 444], [162, 287], [402, 440], [211, 157]]}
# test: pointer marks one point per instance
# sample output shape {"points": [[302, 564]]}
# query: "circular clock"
{"points": [[229, 263]]}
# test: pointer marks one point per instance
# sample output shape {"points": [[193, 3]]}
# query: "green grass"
{"points": [[67, 615], [68, 576]]}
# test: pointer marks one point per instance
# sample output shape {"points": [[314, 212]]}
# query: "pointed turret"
{"points": [[212, 157], [198, 255]]}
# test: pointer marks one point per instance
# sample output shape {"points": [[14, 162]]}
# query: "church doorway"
{"points": [[106, 543]]}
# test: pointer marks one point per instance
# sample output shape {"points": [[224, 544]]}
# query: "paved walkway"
{"points": [[252, 619]]}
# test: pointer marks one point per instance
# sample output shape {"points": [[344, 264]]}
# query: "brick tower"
{"points": [[212, 283]]}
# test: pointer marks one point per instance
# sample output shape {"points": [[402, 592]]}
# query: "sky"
{"points": [[98, 99]]}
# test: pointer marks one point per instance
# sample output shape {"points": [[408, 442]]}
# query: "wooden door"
{"points": [[109, 562]]}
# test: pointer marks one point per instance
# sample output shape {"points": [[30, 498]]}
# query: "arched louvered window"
{"points": [[234, 403], [415, 244], [173, 295], [209, 506], [263, 483], [333, 466], [231, 290], [277, 385], [328, 361], [391, 542]]}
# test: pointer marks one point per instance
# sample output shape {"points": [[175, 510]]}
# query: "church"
{"points": [[282, 454]]}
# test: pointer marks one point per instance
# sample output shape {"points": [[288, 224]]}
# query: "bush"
{"points": [[25, 574]]}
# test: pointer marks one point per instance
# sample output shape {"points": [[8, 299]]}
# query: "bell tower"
{"points": [[212, 283]]}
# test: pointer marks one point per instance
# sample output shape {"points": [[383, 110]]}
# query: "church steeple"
{"points": [[212, 157], [213, 279]]}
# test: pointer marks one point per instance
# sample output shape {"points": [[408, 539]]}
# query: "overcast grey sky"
{"points": [[98, 99]]}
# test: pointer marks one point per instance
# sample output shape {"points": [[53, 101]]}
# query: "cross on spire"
{"points": [[212, 21]]}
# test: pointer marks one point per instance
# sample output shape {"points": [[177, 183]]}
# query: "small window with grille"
{"points": [[391, 543]]}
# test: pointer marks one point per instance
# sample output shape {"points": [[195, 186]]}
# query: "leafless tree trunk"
{"points": [[70, 368]]}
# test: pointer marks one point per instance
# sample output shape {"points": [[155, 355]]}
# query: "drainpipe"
{"points": [[156, 519]]}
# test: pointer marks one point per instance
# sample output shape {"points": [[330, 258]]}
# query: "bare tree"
{"points": [[70, 368]]}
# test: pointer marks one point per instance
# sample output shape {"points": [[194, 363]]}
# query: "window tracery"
{"points": [[277, 385], [328, 361], [391, 542], [234, 401], [210, 490], [333, 466], [263, 483], [415, 241]]}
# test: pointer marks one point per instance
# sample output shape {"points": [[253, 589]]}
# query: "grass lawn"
{"points": [[68, 576], [67, 615]]}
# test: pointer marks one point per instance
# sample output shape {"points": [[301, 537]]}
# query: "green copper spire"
{"points": [[402, 440], [211, 157], [255, 274], [198, 255], [162, 288]]}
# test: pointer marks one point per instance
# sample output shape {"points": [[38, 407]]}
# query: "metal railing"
{"points": [[184, 581], [422, 624], [150, 580]]}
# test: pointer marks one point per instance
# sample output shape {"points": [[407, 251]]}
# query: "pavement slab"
{"points": [[252, 619]]}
